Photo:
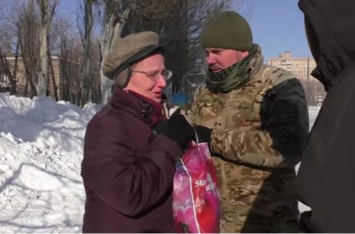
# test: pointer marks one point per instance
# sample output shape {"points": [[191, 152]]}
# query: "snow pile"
{"points": [[40, 154]]}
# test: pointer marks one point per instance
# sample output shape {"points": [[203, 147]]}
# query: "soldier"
{"points": [[255, 118]]}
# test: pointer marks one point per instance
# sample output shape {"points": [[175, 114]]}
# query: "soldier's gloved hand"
{"points": [[203, 133], [177, 128]]}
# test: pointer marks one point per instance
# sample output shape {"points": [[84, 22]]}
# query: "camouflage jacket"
{"points": [[259, 131]]}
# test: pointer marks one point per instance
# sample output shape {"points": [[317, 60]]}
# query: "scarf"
{"points": [[236, 75]]}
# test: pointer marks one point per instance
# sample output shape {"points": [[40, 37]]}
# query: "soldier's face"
{"points": [[147, 78], [220, 59]]}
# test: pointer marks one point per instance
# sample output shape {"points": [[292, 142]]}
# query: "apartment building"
{"points": [[302, 67]]}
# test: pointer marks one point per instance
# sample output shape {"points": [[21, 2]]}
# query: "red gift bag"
{"points": [[196, 201]]}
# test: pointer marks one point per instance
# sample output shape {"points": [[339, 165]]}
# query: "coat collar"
{"points": [[138, 106]]}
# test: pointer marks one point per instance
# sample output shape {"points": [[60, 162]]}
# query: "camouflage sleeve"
{"points": [[283, 133]]}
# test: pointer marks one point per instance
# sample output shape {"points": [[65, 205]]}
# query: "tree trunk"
{"points": [[114, 21], [14, 73], [28, 66], [88, 21], [55, 87], [110, 29], [43, 71]]}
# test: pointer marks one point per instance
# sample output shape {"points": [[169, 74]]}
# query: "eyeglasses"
{"points": [[154, 76]]}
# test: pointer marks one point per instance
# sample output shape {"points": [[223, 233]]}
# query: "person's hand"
{"points": [[177, 128], [203, 134]]}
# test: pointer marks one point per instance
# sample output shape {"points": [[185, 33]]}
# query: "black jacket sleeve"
{"points": [[284, 114]]}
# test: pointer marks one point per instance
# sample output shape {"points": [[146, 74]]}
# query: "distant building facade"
{"points": [[63, 78], [302, 68]]}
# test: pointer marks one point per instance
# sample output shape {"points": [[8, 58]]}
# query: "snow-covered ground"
{"points": [[40, 155]]}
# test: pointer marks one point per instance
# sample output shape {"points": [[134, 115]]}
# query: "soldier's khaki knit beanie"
{"points": [[228, 30]]}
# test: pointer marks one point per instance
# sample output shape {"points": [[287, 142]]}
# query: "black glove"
{"points": [[203, 133], [177, 128]]}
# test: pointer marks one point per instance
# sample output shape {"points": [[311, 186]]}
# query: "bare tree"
{"points": [[5, 70], [27, 27], [86, 21], [32, 60], [46, 15], [66, 53], [114, 18], [9, 46], [7, 42], [67, 46], [88, 26], [43, 53]]}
